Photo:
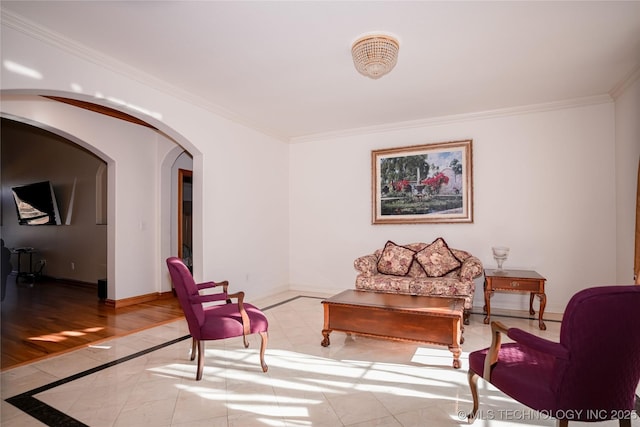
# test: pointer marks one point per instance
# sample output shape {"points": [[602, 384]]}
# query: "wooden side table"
{"points": [[515, 281]]}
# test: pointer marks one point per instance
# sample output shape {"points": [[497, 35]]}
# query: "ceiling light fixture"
{"points": [[375, 54]]}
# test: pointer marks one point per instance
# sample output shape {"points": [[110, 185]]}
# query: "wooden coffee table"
{"points": [[430, 320]]}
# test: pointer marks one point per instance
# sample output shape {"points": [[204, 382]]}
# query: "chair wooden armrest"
{"points": [[199, 299], [534, 342], [207, 285], [246, 323], [497, 328], [490, 359]]}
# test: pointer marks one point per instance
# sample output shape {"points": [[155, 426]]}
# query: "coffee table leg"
{"points": [[325, 333], [456, 356]]}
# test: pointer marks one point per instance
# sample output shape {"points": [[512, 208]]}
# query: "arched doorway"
{"points": [[141, 264]]}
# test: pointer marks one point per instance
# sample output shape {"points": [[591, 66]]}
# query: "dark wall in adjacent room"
{"points": [[77, 249]]}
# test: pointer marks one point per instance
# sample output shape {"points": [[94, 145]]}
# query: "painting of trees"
{"points": [[423, 183]]}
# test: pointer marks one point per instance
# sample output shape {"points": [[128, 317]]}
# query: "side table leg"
{"points": [[543, 304], [325, 333], [531, 310], [487, 304]]}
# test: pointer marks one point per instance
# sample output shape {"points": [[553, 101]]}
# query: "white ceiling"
{"points": [[285, 67]]}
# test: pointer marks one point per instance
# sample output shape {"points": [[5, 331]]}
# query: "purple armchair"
{"points": [[215, 322], [590, 375]]}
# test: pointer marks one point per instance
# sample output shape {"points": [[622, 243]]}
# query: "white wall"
{"points": [[240, 176], [627, 156], [543, 185]]}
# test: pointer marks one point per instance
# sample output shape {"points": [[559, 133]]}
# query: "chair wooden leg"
{"points": [[194, 342], [263, 347], [625, 422], [473, 385], [200, 360]]}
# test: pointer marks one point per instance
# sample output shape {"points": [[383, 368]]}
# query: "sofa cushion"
{"points": [[437, 259], [384, 283], [395, 259], [441, 286]]}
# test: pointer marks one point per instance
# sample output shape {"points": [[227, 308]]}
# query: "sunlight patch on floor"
{"points": [[313, 379], [49, 338], [72, 333], [100, 347], [63, 335]]}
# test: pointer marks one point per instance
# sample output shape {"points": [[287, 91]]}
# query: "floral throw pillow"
{"points": [[395, 260], [437, 259]]}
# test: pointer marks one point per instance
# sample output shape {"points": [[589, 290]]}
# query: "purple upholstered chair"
{"points": [[215, 322], [590, 375]]}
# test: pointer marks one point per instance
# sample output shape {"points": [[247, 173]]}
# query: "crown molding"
{"points": [[626, 82], [457, 118], [31, 29]]}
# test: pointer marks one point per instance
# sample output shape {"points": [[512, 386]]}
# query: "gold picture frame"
{"points": [[430, 183]]}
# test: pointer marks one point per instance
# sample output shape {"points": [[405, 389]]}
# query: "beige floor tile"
{"points": [[356, 381], [358, 407]]}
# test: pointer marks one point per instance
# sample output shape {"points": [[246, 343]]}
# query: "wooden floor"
{"points": [[52, 317]]}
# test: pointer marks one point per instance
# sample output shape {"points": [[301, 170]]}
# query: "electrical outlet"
{"points": [[73, 265]]}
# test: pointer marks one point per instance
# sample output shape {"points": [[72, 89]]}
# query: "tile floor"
{"points": [[146, 379]]}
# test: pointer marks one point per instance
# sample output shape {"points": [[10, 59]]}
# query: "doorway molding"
{"points": [[185, 216]]}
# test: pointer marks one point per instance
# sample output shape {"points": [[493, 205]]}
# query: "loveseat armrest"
{"points": [[366, 265], [471, 268]]}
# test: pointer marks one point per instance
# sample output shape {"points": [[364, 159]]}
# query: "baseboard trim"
{"points": [[140, 299], [67, 281]]}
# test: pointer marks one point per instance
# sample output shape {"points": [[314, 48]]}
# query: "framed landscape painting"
{"points": [[422, 184]]}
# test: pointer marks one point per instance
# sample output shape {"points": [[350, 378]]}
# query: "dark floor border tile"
{"points": [[513, 316], [50, 416]]}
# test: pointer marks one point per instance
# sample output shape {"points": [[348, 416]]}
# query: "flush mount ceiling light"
{"points": [[375, 54]]}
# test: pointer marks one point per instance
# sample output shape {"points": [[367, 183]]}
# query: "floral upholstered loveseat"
{"points": [[430, 269]]}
